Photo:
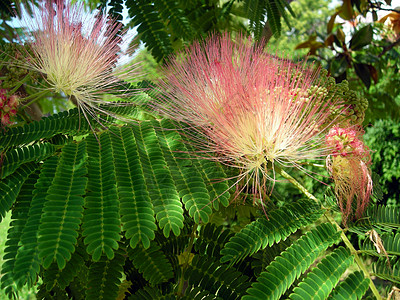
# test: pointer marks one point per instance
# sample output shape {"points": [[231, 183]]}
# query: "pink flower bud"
{"points": [[5, 119], [13, 101], [6, 108]]}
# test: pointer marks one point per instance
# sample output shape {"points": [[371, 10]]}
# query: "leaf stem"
{"points": [[36, 97], [343, 236], [188, 250], [296, 184], [355, 253], [20, 83]]}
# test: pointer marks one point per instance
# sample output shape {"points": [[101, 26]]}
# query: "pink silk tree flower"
{"points": [[75, 52], [254, 111], [348, 165]]}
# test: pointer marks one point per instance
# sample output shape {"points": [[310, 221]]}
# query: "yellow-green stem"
{"points": [[346, 241], [296, 183], [25, 79], [354, 252], [37, 96], [188, 251]]}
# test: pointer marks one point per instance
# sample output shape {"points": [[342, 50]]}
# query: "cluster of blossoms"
{"points": [[75, 53], [260, 113], [349, 167], [257, 112], [8, 107]]}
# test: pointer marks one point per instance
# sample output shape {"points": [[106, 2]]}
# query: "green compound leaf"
{"points": [[70, 122], [27, 264], [293, 262], [352, 288], [381, 215], [64, 122], [273, 15], [322, 279], [54, 277], [152, 263], [390, 241], [211, 239], [62, 212], [11, 185], [151, 293], [101, 218], [378, 217], [159, 181], [199, 293], [215, 179], [187, 176], [137, 214], [262, 232], [151, 27], [218, 279], [256, 10], [105, 277], [383, 270], [10, 283], [170, 12], [12, 159]]}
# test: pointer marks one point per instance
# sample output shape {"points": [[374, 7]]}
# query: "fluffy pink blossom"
{"points": [[348, 165], [252, 109], [8, 107], [75, 52]]}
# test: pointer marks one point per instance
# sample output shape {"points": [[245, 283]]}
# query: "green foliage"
{"points": [[134, 202], [102, 210], [287, 267], [262, 232], [388, 271], [361, 38], [9, 282], [322, 279], [104, 278], [11, 186], [302, 29], [384, 139], [62, 279], [18, 156], [101, 218], [152, 263], [62, 212], [167, 25], [71, 122], [389, 247], [171, 13], [119, 176], [256, 10], [136, 209], [353, 287], [216, 279], [150, 27]]}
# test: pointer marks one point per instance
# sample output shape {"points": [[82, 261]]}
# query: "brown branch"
{"points": [[389, 47]]}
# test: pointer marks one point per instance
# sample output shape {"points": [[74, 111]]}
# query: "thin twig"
{"points": [[389, 47]]}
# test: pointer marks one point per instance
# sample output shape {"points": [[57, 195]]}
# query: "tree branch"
{"points": [[389, 47]]}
